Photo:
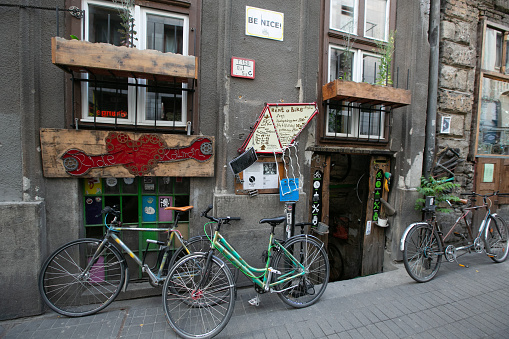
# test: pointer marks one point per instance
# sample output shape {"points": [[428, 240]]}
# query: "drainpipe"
{"points": [[431, 114]]}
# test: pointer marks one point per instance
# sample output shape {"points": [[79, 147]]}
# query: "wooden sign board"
{"points": [[103, 154], [278, 126]]}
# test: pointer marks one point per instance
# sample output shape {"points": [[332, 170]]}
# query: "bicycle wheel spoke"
{"points": [[297, 288], [198, 302], [69, 290], [422, 253]]}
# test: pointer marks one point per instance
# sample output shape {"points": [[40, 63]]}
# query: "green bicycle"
{"points": [[199, 290]]}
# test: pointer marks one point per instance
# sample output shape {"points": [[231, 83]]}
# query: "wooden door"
{"points": [[374, 236]]}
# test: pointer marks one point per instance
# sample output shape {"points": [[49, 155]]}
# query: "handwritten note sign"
{"points": [[278, 125], [243, 68]]}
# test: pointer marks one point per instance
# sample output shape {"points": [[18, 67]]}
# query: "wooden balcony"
{"points": [[361, 92], [120, 61]]}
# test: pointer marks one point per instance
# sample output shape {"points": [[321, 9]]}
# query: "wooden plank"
{"points": [[102, 58], [362, 92], [56, 142], [373, 246]]}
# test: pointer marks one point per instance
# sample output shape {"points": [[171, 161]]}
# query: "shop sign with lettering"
{"points": [[243, 68], [278, 126], [263, 23]]}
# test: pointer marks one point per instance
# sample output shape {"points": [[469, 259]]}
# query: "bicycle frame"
{"points": [[463, 217], [111, 233], [260, 276]]}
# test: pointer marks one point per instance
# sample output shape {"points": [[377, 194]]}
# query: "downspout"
{"points": [[431, 114]]}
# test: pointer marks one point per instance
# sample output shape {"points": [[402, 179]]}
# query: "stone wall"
{"points": [[459, 51]]}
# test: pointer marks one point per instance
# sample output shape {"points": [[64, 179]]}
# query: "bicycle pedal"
{"points": [[255, 301], [274, 271]]}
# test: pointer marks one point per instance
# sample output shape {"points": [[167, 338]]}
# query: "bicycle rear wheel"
{"points": [[197, 310], [68, 289], [496, 239], [306, 289], [422, 253]]}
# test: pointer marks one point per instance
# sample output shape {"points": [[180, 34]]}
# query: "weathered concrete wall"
{"points": [[23, 234], [408, 132], [45, 211], [285, 72]]}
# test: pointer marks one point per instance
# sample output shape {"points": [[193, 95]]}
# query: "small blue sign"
{"points": [[289, 190]]}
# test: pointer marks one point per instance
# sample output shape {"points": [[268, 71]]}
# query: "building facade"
{"points": [[89, 122]]}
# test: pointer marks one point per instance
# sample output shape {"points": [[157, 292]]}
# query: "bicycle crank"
{"points": [[478, 245], [450, 253]]}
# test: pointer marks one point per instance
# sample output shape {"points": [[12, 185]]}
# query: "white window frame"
{"points": [[357, 73], [140, 20], [386, 28], [355, 18]]}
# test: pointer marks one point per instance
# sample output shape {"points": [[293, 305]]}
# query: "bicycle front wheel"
{"points": [[200, 243], [198, 300], [67, 288], [304, 290], [422, 253], [495, 239]]}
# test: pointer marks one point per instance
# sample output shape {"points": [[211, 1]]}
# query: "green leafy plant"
{"points": [[384, 76], [440, 189], [127, 31]]}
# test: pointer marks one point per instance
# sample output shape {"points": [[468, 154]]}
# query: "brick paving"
{"points": [[458, 303]]}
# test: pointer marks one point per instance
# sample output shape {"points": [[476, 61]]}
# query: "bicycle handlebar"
{"points": [[224, 220]]}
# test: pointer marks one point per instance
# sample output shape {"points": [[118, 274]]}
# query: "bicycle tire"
{"points": [[335, 262], [496, 239], [422, 253], [203, 312], [67, 291], [308, 288], [200, 243]]}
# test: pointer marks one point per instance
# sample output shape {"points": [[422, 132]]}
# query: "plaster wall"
{"points": [[44, 211], [23, 233], [412, 54], [286, 72]]}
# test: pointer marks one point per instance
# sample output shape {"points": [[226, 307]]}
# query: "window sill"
{"points": [[361, 92]]}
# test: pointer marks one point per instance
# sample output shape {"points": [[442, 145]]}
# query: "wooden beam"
{"points": [[102, 58], [341, 90]]}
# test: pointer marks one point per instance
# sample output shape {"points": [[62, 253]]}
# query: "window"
{"points": [[352, 120], [372, 22], [108, 99], [141, 201], [375, 24], [493, 115]]}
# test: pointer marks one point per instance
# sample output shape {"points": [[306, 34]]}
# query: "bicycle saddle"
{"points": [[180, 209], [273, 221]]}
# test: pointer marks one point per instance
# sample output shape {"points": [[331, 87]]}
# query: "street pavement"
{"points": [[459, 303]]}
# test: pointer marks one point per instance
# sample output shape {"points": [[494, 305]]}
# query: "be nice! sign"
{"points": [[263, 23]]}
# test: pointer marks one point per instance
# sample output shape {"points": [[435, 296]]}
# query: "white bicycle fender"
{"points": [[403, 237]]}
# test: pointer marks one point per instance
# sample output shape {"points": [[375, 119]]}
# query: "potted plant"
{"points": [[440, 189]]}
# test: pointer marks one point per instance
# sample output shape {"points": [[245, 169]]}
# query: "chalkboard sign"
{"points": [[278, 125]]}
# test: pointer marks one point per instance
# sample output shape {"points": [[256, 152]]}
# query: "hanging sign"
{"points": [[102, 154], [263, 23], [316, 205], [377, 204], [278, 126], [243, 68]]}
